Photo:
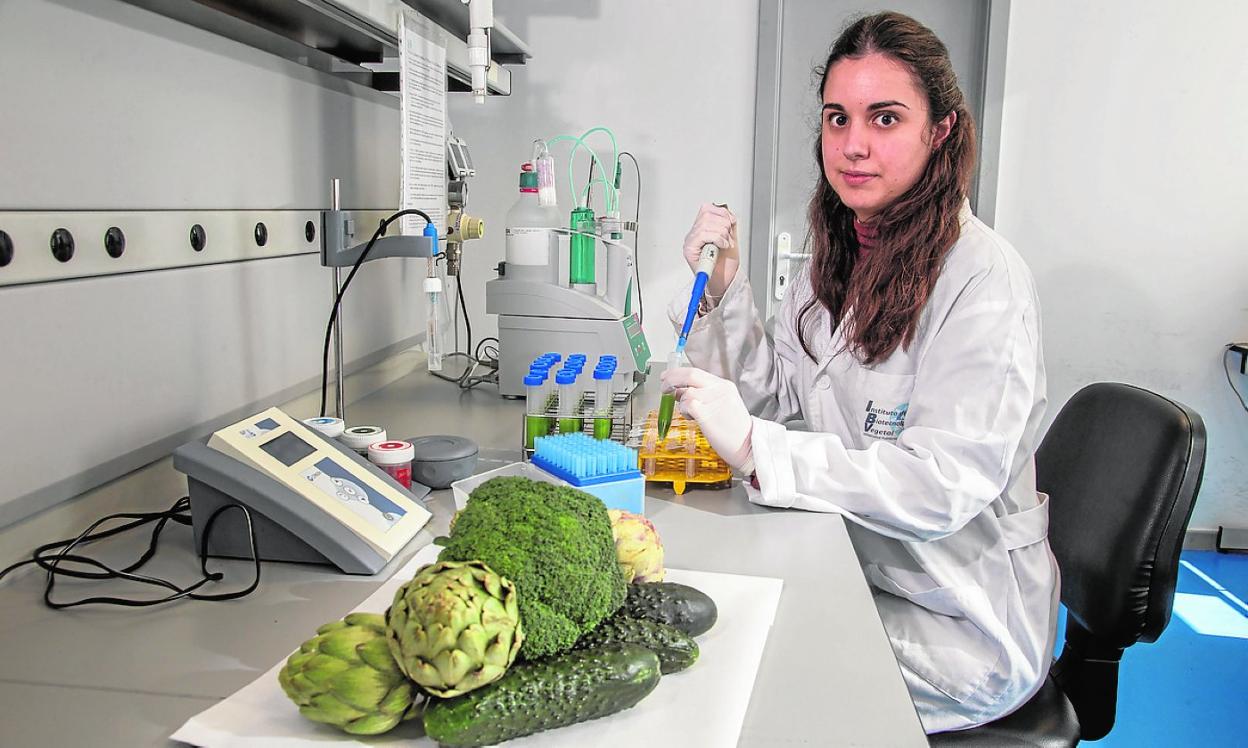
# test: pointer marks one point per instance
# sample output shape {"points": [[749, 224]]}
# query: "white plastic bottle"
{"points": [[532, 247]]}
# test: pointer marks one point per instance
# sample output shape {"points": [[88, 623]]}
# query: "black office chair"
{"points": [[1122, 467]]}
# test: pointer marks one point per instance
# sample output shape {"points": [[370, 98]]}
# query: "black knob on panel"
{"points": [[114, 242], [6, 249], [62, 243], [199, 238]]}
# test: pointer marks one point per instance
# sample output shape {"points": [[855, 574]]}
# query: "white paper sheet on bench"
{"points": [[702, 706]]}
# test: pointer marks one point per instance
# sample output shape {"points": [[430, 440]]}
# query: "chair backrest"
{"points": [[1122, 467]]}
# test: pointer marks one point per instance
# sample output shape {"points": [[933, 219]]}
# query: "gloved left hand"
{"points": [[717, 407]]}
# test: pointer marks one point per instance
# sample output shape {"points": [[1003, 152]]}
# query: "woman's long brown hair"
{"points": [[880, 302]]}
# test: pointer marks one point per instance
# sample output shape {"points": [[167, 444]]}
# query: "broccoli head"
{"points": [[555, 544]]}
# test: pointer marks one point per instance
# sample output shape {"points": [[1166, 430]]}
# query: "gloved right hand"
{"points": [[718, 226]]}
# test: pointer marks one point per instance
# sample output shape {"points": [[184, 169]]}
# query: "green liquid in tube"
{"points": [[569, 425], [666, 405], [534, 426], [602, 428]]}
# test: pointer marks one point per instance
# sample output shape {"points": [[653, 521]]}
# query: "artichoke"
{"points": [[637, 547], [455, 627], [345, 676]]}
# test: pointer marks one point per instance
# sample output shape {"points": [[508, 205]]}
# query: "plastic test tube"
{"points": [[535, 423], [568, 401], [547, 396], [667, 403], [602, 402]]}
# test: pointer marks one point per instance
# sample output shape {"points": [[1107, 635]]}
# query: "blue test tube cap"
{"points": [[565, 377], [534, 380], [603, 373], [552, 356]]}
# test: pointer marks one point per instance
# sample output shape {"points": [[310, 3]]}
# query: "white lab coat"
{"points": [[929, 456]]}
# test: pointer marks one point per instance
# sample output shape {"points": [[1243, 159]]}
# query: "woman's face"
{"points": [[876, 132]]}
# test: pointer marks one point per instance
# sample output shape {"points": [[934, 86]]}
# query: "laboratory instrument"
{"points": [[339, 250], [540, 304], [312, 499], [706, 264]]}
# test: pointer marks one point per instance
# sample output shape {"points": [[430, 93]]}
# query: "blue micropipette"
{"points": [[706, 263]]}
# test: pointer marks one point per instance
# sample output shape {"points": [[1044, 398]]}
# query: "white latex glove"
{"points": [[718, 226], [719, 410]]}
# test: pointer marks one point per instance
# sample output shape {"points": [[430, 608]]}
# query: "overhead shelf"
{"points": [[351, 39]]}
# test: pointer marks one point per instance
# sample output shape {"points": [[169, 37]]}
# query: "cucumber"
{"points": [[679, 605], [543, 694], [676, 649]]}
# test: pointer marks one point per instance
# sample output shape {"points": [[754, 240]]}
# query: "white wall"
{"points": [[674, 81], [1123, 184]]}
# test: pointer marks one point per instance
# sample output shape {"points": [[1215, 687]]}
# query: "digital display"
{"points": [[288, 448]]}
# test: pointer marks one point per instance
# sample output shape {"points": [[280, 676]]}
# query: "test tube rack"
{"points": [[621, 418], [683, 458]]}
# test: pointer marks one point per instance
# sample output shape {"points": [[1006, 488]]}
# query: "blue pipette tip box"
{"points": [[602, 468]]}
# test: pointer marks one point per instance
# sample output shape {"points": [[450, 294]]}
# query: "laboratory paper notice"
{"points": [[422, 91]]}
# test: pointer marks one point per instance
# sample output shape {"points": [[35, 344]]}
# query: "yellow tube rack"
{"points": [[684, 457]]}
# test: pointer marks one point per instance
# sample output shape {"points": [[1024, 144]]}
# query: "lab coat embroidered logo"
{"points": [[884, 423]]}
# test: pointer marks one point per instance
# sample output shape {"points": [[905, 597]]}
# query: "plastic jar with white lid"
{"points": [[395, 458], [359, 438], [326, 426]]}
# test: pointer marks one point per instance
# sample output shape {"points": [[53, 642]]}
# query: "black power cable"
{"points": [[48, 558], [459, 291], [333, 315]]}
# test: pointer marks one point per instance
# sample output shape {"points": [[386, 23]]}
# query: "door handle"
{"points": [[784, 264]]}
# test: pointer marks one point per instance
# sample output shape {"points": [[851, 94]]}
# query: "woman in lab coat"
{"points": [[910, 348]]}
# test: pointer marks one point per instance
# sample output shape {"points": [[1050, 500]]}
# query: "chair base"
{"points": [[1047, 720]]}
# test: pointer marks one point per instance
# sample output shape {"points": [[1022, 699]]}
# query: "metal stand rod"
{"points": [[341, 408]]}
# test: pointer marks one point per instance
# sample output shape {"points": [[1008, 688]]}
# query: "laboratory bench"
{"points": [[105, 676]]}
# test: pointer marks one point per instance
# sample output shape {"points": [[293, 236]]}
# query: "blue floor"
{"points": [[1190, 688]]}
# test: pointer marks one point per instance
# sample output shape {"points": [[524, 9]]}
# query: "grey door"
{"points": [[794, 39]]}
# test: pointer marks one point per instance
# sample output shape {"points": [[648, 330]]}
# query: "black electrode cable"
{"points": [[333, 315], [459, 291], [54, 562]]}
